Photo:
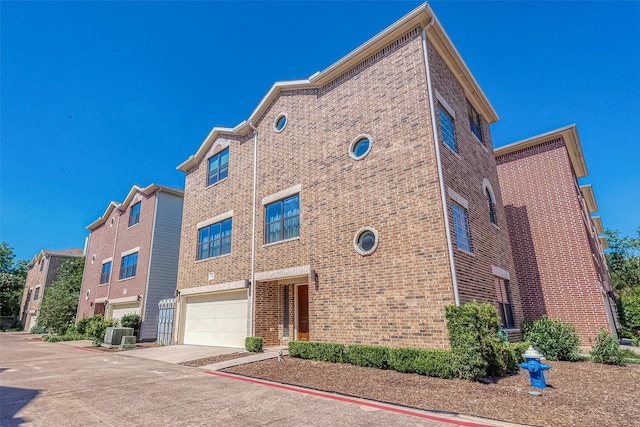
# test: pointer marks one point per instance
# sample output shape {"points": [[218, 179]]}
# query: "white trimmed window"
{"points": [[447, 130], [461, 224]]}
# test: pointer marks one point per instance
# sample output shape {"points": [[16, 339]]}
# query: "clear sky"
{"points": [[99, 96]]}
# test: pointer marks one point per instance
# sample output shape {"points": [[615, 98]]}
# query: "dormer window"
{"points": [[134, 214]]}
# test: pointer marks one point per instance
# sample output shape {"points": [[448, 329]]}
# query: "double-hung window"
{"points": [[447, 130], [129, 265], [475, 122], [461, 224], [134, 214], [282, 220], [36, 293], [214, 240], [106, 272], [504, 302], [218, 167]]}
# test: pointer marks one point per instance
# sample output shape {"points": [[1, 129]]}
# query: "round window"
{"points": [[111, 224], [86, 296], [93, 258], [280, 123], [360, 147], [366, 241]]}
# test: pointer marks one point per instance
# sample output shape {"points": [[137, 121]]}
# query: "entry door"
{"points": [[303, 313]]}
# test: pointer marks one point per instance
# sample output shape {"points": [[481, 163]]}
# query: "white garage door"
{"points": [[216, 319], [119, 310]]}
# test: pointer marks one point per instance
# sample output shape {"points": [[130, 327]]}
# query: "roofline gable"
{"points": [[420, 17]]}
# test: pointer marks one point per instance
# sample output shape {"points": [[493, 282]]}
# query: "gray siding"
{"points": [[163, 269]]}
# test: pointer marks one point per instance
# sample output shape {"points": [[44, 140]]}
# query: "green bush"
{"points": [[554, 339], [514, 354], [606, 350], [35, 330], [82, 324], [477, 348], [324, 352], [96, 329], [431, 363], [131, 321], [253, 344], [368, 356], [52, 338], [629, 309]]}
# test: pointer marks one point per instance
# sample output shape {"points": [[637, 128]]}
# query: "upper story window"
{"points": [[36, 293], [41, 264], [447, 131], [493, 217], [504, 303], [214, 240], [280, 123], [134, 214], [28, 296], [282, 220], [461, 223], [218, 167], [129, 265], [106, 272], [475, 122], [360, 147]]}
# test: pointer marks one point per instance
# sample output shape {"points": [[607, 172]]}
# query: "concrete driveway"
{"points": [[45, 384]]}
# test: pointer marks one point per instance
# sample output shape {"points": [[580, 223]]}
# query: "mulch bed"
{"points": [[213, 359], [579, 394]]}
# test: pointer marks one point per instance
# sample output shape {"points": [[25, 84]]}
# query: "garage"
{"points": [[218, 319], [119, 310]]}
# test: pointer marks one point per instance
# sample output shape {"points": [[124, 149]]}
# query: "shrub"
{"points": [[473, 333], [629, 309], [514, 354], [554, 339], [51, 338], [34, 330], [96, 329], [82, 324], [606, 350], [131, 321], [431, 363], [368, 356], [253, 344], [324, 352]]}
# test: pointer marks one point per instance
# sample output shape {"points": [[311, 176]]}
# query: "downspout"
{"points": [[113, 263], [440, 174], [253, 231]]}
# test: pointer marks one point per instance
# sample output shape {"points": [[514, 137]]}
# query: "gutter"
{"points": [[454, 277], [252, 285]]}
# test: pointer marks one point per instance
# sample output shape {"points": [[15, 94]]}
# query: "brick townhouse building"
{"points": [[43, 270], [557, 243], [351, 207], [132, 257]]}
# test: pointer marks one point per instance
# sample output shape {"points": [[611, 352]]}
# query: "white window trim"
{"points": [[275, 121], [453, 195], [104, 261], [283, 194], [353, 143], [375, 245], [215, 219], [500, 272], [130, 251], [445, 105]]}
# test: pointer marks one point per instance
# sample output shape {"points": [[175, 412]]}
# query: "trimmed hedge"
{"points": [[431, 363], [324, 352], [368, 356], [253, 344]]}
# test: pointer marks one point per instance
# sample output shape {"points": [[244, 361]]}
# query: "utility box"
{"points": [[127, 342], [113, 336]]}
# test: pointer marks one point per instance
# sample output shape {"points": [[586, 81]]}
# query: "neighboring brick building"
{"points": [[561, 269], [370, 199], [132, 257], [43, 270]]}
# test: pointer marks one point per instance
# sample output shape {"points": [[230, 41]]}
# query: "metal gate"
{"points": [[165, 320]]}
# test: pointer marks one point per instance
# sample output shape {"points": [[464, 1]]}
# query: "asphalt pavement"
{"points": [[53, 384]]}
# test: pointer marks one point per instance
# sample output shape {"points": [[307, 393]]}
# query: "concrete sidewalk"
{"points": [[271, 353], [179, 353]]}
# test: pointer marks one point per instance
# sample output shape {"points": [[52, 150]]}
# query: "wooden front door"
{"points": [[303, 312]]}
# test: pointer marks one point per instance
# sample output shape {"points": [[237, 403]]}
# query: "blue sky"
{"points": [[99, 96]]}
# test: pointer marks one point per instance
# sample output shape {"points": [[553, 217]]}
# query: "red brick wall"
{"points": [[550, 239], [105, 243], [465, 172]]}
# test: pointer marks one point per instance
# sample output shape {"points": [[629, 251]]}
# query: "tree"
{"points": [[623, 259], [60, 301], [12, 279]]}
